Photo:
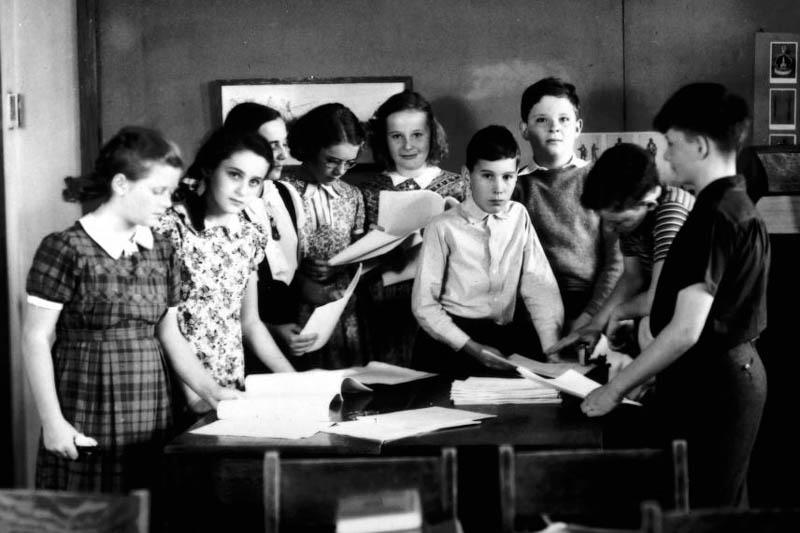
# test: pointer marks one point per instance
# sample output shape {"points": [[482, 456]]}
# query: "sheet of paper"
{"points": [[310, 382], [401, 212], [325, 317], [311, 407], [570, 382], [377, 372], [402, 424], [374, 243], [262, 428], [550, 370]]}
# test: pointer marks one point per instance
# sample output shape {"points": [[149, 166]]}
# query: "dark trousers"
{"points": [[431, 355], [715, 402]]}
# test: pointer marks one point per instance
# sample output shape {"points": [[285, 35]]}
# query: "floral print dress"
{"points": [[216, 264]]}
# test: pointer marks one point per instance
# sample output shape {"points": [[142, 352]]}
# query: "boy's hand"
{"points": [[583, 339], [487, 356]]}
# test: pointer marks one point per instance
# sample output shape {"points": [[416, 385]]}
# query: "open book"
{"points": [[400, 215], [295, 405]]}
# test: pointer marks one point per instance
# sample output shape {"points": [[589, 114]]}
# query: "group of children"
{"points": [[241, 257]]}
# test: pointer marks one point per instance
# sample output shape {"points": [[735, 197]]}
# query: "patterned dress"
{"points": [[216, 265], [390, 325], [110, 372], [322, 236]]}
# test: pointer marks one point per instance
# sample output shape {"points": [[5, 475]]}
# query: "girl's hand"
{"points": [[60, 439], [317, 269], [601, 401], [290, 336], [216, 395]]}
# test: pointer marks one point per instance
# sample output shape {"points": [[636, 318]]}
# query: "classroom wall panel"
{"points": [[472, 59], [669, 44]]}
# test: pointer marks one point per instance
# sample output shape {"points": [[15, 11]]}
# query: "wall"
{"points": [[471, 59], [38, 60]]}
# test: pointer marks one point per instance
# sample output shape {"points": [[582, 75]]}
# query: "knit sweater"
{"points": [[584, 256]]}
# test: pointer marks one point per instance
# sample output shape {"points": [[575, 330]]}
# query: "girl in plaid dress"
{"points": [[408, 142], [106, 289], [219, 251]]}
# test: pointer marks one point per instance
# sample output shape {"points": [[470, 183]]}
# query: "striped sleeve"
{"points": [[670, 216]]}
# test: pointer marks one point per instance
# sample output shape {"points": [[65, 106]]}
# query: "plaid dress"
{"points": [[110, 372]]}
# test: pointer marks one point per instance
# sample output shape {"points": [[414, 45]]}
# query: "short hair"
{"points": [[406, 100], [324, 126], [491, 144], [249, 116], [548, 87], [131, 151], [620, 178], [707, 109]]}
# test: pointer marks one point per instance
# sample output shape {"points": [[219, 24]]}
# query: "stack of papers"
{"points": [[297, 405], [570, 382], [475, 391], [401, 424]]}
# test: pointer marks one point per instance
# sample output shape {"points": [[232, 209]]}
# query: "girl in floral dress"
{"points": [[327, 141], [408, 142], [107, 289], [219, 251]]}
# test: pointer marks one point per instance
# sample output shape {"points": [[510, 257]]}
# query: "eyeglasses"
{"points": [[334, 162]]}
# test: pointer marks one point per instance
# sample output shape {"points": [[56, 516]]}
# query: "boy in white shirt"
{"points": [[475, 259]]}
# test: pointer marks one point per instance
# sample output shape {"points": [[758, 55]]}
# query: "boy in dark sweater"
{"points": [[584, 255]]}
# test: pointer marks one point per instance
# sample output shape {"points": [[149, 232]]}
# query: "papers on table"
{"points": [[550, 370], [570, 382], [399, 215], [475, 390], [401, 424], [296, 405], [325, 317]]}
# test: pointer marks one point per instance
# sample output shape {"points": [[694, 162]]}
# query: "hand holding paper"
{"points": [[325, 317]]}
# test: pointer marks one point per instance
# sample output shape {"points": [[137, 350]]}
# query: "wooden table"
{"points": [[214, 482]]}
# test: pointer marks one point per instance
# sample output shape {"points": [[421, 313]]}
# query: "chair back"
{"points": [[45, 511], [591, 487], [724, 520], [302, 494]]}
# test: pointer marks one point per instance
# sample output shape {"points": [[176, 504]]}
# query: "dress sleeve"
{"points": [[54, 274], [174, 296]]}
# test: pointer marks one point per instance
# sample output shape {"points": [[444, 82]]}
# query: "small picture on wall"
{"points": [[590, 146], [782, 139], [783, 62], [782, 109]]}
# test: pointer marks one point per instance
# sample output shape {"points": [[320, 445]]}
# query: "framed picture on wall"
{"points": [[783, 62], [778, 139], [294, 97], [782, 109]]}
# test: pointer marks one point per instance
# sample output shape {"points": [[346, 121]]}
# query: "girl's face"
{"points": [[409, 139], [235, 180], [274, 132], [334, 161], [146, 199]]}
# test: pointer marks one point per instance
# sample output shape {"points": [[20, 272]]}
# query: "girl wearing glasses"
{"points": [[327, 140]]}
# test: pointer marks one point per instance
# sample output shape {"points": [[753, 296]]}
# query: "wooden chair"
{"points": [[591, 487], [654, 520], [45, 511], [302, 494]]}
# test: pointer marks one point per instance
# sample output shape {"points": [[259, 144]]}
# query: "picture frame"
{"points": [[781, 139], [783, 62], [782, 109], [293, 97]]}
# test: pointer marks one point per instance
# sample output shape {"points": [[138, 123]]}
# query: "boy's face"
{"points": [[492, 183], [552, 129], [629, 218]]}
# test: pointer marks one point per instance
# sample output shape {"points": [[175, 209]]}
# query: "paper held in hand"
{"points": [[325, 317], [399, 215], [569, 382]]}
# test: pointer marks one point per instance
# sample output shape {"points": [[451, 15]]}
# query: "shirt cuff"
{"points": [[45, 304]]}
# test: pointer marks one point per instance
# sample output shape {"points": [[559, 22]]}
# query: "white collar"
{"points": [[423, 180], [114, 244], [330, 188], [574, 161], [473, 213]]}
